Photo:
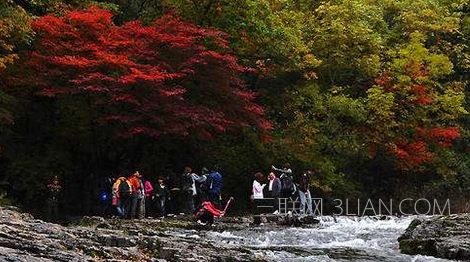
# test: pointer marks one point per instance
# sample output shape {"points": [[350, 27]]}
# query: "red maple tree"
{"points": [[414, 142], [169, 77]]}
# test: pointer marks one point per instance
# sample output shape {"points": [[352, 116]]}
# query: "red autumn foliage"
{"points": [[170, 77], [412, 154], [420, 92], [442, 136], [416, 70], [385, 80], [423, 100]]}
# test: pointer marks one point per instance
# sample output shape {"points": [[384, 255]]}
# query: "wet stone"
{"points": [[444, 237]]}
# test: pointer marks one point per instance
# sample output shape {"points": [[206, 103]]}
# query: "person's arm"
{"points": [[167, 193], [288, 171], [277, 186], [200, 179], [208, 182], [257, 187], [276, 169]]}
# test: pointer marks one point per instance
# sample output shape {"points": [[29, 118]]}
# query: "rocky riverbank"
{"points": [[444, 237], [24, 238]]}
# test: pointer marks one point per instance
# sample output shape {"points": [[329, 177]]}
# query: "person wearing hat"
{"points": [[162, 193]]}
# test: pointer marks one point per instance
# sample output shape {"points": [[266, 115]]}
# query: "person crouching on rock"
{"points": [[162, 194], [54, 189]]}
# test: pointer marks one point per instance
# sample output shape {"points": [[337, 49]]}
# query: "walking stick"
{"points": [[228, 203]]}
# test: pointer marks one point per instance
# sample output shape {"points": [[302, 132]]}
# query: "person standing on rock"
{"points": [[189, 189], [257, 197], [304, 192], [54, 189], [274, 191], [214, 186], [174, 184], [135, 182], [123, 191], [141, 198], [148, 189], [201, 188], [162, 194], [287, 181]]}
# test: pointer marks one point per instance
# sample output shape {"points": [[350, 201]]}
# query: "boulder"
{"points": [[23, 238], [443, 236]]}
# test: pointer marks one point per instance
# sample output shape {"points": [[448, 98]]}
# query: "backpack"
{"points": [[287, 184], [188, 182], [125, 189]]}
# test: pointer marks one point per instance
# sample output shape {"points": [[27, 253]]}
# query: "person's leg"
{"points": [[122, 203], [215, 200], [120, 208], [128, 206], [309, 203], [169, 207], [55, 212], [48, 217], [275, 203], [142, 208], [257, 211], [133, 207], [148, 202], [117, 208], [163, 207], [118, 211], [211, 219], [302, 202], [191, 204], [158, 206], [187, 202]]}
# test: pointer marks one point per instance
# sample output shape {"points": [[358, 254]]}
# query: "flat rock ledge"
{"points": [[444, 237], [24, 238]]}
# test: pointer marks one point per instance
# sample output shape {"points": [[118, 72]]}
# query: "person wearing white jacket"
{"points": [[257, 197]]}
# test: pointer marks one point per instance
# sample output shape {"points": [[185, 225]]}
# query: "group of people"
{"points": [[281, 184], [136, 197]]}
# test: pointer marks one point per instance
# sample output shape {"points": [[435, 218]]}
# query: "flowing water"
{"points": [[341, 239]]}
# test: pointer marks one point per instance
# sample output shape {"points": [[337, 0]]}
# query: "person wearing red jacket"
{"points": [[135, 182]]}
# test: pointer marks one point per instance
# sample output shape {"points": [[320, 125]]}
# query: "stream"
{"points": [[340, 239]]}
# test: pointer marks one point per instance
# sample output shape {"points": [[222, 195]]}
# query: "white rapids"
{"points": [[356, 239]]}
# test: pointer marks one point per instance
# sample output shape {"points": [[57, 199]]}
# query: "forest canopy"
{"points": [[372, 95]]}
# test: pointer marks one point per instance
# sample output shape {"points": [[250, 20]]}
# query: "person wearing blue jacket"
{"points": [[214, 186]]}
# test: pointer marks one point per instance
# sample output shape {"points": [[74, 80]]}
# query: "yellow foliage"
{"points": [[14, 28]]}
